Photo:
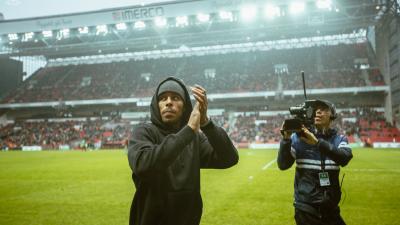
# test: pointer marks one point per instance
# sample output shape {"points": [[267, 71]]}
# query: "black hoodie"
{"points": [[166, 166]]}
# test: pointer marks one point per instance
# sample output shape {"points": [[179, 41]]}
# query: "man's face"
{"points": [[322, 117], [171, 108]]}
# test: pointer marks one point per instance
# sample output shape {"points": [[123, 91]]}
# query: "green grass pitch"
{"points": [[87, 188]]}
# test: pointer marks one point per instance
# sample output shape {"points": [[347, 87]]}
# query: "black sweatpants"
{"points": [[326, 218]]}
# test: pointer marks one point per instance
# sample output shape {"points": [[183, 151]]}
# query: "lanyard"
{"points": [[322, 156]]}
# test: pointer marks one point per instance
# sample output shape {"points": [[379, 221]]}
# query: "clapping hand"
{"points": [[200, 94]]}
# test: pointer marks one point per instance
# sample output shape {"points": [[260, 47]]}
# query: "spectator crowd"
{"points": [[362, 125], [74, 134], [274, 70]]}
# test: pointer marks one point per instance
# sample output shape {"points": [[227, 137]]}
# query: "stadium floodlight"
{"points": [[248, 13], [64, 33], [202, 17], [83, 30], [160, 21], [324, 4], [13, 37], [121, 26], [28, 36], [182, 21], [101, 29], [297, 7], [47, 33], [226, 15], [139, 25], [272, 11]]}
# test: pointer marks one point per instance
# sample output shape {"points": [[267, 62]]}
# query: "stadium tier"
{"points": [[239, 72], [360, 125], [65, 134]]}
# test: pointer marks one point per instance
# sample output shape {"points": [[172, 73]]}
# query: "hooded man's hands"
{"points": [[199, 114], [200, 94], [194, 119]]}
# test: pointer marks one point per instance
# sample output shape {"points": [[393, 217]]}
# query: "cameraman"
{"points": [[318, 156]]}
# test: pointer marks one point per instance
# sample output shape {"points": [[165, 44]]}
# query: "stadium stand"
{"points": [[76, 134], [242, 72], [374, 127], [360, 125], [275, 70]]}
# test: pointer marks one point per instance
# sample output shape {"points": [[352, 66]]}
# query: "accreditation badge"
{"points": [[324, 179]]}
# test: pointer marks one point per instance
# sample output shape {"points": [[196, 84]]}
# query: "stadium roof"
{"points": [[20, 9], [171, 25]]}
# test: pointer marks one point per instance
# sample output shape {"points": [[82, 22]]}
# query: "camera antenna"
{"points": [[304, 85]]}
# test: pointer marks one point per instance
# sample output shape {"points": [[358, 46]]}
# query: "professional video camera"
{"points": [[303, 114]]}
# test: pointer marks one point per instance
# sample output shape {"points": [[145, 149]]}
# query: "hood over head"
{"points": [[171, 86], [175, 85]]}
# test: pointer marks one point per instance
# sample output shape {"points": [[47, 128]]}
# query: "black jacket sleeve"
{"points": [[216, 148], [340, 154], [285, 159], [146, 156]]}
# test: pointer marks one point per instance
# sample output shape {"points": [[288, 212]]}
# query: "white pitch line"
{"points": [[268, 164]]}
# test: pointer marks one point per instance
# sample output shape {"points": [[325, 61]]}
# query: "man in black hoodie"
{"points": [[166, 156]]}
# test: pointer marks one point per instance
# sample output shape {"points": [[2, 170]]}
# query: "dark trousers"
{"points": [[325, 218]]}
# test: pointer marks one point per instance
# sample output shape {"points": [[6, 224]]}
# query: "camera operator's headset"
{"points": [[331, 107]]}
